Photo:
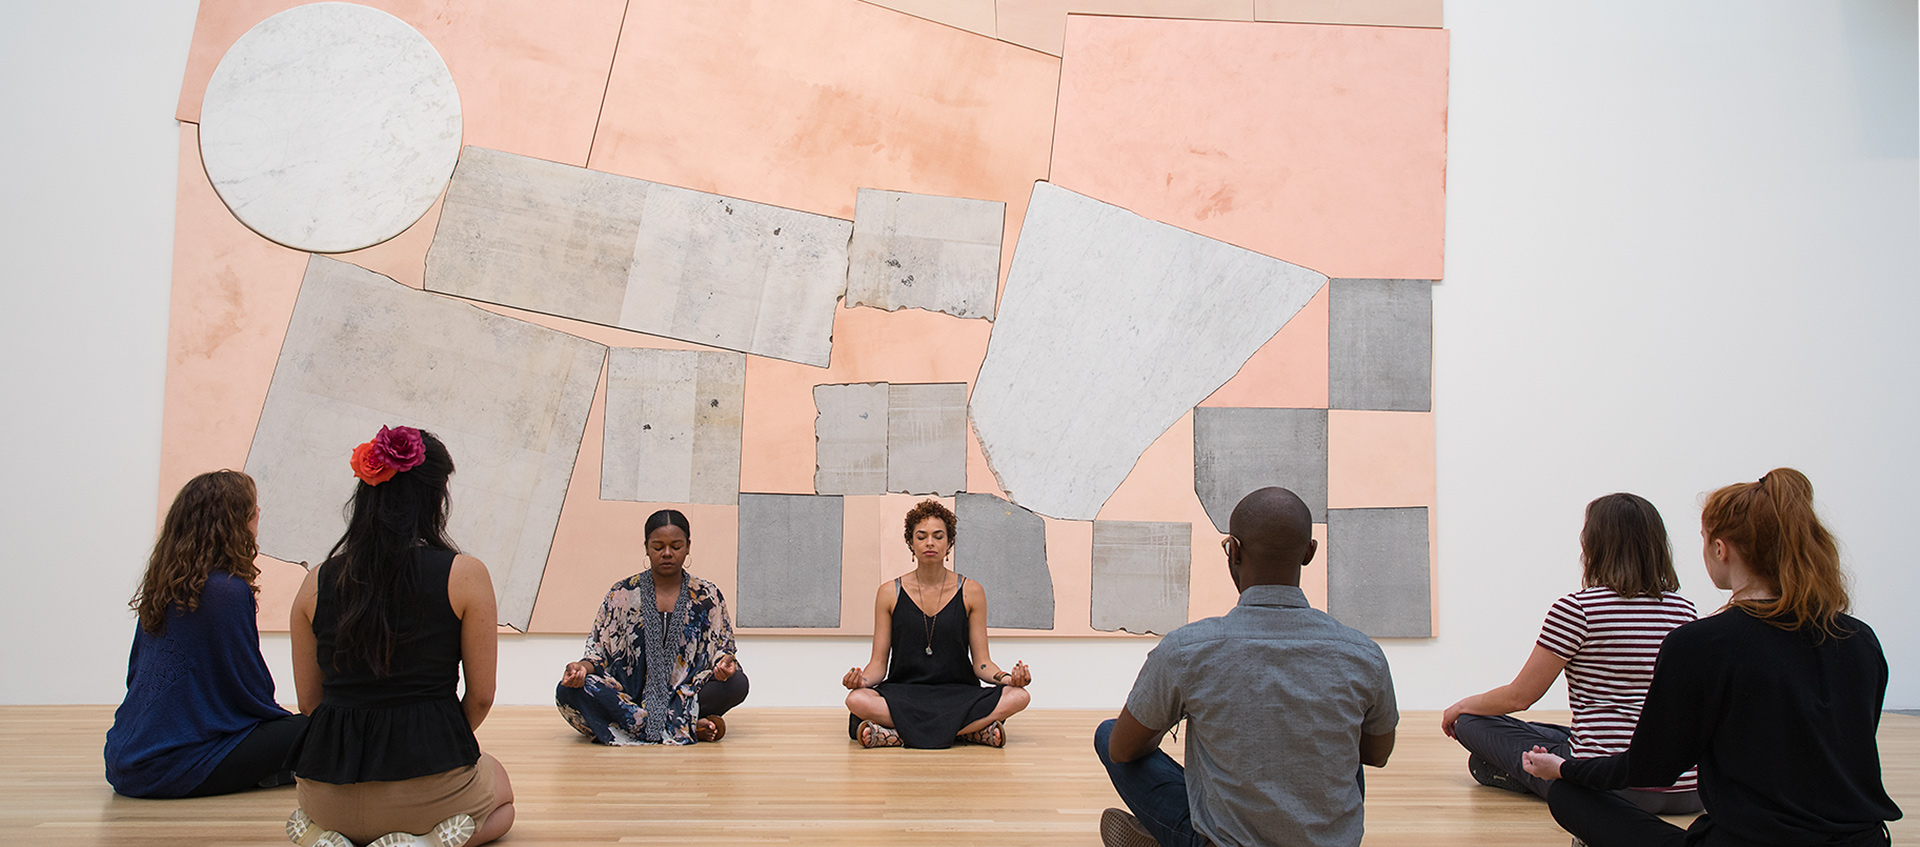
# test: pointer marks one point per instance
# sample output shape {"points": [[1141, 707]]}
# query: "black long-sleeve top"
{"points": [[1782, 725]]}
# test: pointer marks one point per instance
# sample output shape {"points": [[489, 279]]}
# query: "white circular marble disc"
{"points": [[330, 127]]}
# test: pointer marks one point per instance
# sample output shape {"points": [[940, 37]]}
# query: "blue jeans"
{"points": [[1154, 787]]}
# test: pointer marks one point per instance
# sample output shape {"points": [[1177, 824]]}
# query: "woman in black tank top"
{"points": [[930, 641], [383, 633]]}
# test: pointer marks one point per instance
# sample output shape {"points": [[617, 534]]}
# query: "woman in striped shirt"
{"points": [[1606, 637]]}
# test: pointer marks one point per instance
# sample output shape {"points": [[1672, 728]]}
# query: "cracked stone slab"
{"points": [[509, 399], [924, 251], [789, 573], [673, 426], [1004, 548], [927, 438], [850, 438], [640, 255], [1141, 575], [1111, 327], [1379, 571], [1380, 344], [1237, 451]]}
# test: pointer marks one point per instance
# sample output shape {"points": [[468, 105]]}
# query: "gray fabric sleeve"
{"points": [[1156, 700]]}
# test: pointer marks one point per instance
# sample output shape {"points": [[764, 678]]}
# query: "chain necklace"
{"points": [[923, 612]]}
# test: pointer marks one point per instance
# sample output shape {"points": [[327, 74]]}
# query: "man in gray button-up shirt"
{"points": [[1283, 705]]}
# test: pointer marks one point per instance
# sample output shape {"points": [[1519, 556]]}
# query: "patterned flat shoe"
{"points": [[303, 831], [874, 735], [1118, 828], [452, 832], [992, 735]]}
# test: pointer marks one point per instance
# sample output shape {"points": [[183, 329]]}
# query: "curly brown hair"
{"points": [[205, 531], [931, 508]]}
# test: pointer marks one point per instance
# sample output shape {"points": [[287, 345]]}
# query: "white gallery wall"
{"points": [[1683, 248]]}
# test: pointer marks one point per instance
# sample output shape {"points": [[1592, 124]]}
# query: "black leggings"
{"points": [[258, 762], [717, 697], [1605, 819]]}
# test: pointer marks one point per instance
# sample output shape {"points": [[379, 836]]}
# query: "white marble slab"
{"points": [[927, 438], [673, 426], [330, 127], [508, 398], [1141, 575], [1111, 327], [924, 251], [850, 438], [641, 255]]}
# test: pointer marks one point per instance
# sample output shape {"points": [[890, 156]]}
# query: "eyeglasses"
{"points": [[1226, 544]]}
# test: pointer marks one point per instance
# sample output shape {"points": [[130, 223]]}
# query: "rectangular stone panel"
{"points": [[1239, 450], [1379, 571], [1004, 548], [1380, 344], [789, 573], [927, 438], [640, 255], [850, 438], [509, 399], [1140, 575], [922, 251], [673, 426]]}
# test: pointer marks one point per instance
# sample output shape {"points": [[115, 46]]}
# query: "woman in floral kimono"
{"points": [[659, 665]]}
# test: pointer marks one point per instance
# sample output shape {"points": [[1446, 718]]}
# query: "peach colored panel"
{"points": [[974, 16], [1324, 146], [911, 345], [530, 73], [1379, 459], [800, 103], [279, 582], [1042, 24], [1070, 559], [1313, 577], [1289, 371], [1378, 12]]}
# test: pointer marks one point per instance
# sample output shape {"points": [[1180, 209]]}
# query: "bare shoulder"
{"points": [[468, 583]]}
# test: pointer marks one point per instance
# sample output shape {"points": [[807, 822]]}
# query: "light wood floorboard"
{"points": [[783, 776]]}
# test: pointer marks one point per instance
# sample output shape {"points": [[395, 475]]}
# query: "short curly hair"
{"points": [[931, 508]]}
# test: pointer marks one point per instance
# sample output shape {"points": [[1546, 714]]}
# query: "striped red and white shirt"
{"points": [[1610, 642]]}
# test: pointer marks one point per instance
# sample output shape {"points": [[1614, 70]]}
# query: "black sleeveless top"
{"points": [[406, 724], [950, 661]]}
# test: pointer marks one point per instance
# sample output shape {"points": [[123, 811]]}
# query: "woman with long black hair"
{"points": [[382, 632]]}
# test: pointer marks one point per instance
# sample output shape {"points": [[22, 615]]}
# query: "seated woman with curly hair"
{"points": [[923, 685]]}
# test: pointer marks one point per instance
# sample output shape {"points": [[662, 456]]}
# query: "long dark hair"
{"points": [[1624, 547], [205, 531], [1773, 525], [369, 570]]}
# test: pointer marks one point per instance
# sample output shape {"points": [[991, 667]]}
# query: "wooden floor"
{"points": [[784, 776]]}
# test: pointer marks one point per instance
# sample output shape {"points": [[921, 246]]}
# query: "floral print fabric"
{"points": [[614, 705]]}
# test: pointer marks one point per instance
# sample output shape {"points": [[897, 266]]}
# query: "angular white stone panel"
{"points": [[1111, 327], [330, 127], [927, 438], [850, 438], [923, 251], [1140, 575], [673, 426], [640, 255], [509, 398]]}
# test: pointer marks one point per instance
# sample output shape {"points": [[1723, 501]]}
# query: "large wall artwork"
{"points": [[1088, 271]]}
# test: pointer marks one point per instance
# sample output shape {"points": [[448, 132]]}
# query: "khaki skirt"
{"points": [[365, 811]]}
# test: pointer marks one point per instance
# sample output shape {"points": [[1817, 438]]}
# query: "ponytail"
{"points": [[1773, 526]]}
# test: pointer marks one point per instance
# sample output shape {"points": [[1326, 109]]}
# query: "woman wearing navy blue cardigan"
{"points": [[199, 717]]}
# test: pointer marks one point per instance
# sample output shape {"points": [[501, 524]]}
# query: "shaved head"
{"points": [[1273, 529]]}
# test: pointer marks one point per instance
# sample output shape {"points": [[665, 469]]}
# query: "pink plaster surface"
{"points": [[1379, 459], [1042, 24], [530, 73], [975, 16], [1324, 146], [1287, 372]]}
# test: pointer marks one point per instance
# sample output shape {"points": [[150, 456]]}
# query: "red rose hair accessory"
{"points": [[393, 450]]}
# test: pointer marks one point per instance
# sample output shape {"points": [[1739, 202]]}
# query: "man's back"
{"points": [[1276, 695]]}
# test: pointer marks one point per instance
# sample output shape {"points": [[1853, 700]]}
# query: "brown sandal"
{"points": [[874, 735], [719, 728], [992, 735]]}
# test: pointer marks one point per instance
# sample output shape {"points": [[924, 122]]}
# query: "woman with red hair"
{"points": [[1776, 697]]}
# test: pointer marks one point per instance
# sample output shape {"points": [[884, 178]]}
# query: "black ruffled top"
{"points": [[403, 725]]}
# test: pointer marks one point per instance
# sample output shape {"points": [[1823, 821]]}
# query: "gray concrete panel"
{"points": [[1141, 575], [1379, 572], [1239, 450], [1004, 548], [1380, 344], [850, 438], [789, 571], [927, 438]]}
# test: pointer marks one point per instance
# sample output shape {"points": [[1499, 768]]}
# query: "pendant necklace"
{"points": [[923, 612]]}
